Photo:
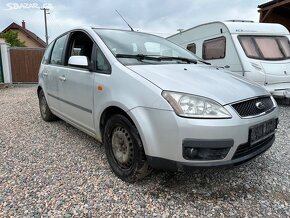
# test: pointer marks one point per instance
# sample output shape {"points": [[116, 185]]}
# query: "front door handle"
{"points": [[45, 73], [62, 78]]}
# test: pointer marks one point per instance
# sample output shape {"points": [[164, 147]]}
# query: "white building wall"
{"points": [[6, 62]]}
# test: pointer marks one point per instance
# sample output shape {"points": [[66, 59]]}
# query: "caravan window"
{"points": [[266, 47], [284, 43], [214, 48], [249, 47], [191, 47]]}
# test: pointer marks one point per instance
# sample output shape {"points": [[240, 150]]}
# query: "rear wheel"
{"points": [[45, 112], [124, 149]]}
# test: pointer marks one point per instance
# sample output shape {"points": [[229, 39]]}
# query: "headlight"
{"points": [[195, 106]]}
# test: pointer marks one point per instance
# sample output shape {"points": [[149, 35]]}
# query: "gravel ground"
{"points": [[55, 170]]}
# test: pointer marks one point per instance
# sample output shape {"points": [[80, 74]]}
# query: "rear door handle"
{"points": [[45, 74], [62, 78]]}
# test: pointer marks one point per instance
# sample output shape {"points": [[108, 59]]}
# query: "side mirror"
{"points": [[78, 61]]}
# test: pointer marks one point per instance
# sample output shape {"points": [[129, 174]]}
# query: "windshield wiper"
{"points": [[202, 61], [137, 56], [156, 58], [169, 58]]}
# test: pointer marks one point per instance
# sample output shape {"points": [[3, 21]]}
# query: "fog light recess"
{"points": [[206, 150]]}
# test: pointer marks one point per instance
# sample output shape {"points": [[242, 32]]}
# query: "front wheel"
{"points": [[124, 149], [45, 112]]}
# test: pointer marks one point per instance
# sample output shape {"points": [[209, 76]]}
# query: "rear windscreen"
{"points": [[266, 47]]}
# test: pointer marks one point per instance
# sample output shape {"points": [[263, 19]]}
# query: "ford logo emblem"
{"points": [[260, 105]]}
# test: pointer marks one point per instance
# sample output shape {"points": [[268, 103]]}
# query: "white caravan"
{"points": [[257, 51]]}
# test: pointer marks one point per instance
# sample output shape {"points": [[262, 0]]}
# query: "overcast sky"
{"points": [[160, 17]]}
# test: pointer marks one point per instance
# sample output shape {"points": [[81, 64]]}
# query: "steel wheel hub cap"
{"points": [[43, 106], [122, 147]]}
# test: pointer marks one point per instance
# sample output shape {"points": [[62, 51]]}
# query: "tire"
{"points": [[45, 112], [124, 149]]}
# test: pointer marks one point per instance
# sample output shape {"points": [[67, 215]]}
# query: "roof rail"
{"points": [[246, 21]]}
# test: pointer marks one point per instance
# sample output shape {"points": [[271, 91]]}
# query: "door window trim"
{"points": [[93, 55], [95, 48]]}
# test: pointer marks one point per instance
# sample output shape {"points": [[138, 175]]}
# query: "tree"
{"points": [[11, 37]]}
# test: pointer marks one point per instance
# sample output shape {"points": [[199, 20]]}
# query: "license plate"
{"points": [[262, 130]]}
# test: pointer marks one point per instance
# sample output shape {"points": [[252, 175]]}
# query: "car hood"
{"points": [[202, 80]]}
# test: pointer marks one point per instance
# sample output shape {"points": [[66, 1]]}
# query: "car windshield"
{"points": [[140, 48], [266, 47]]}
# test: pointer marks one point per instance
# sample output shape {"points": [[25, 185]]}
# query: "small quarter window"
{"points": [[214, 48], [101, 62], [191, 47]]}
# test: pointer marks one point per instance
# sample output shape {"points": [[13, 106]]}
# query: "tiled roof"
{"points": [[28, 33]]}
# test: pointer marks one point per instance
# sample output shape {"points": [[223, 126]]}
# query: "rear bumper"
{"points": [[161, 163], [281, 93], [280, 90]]}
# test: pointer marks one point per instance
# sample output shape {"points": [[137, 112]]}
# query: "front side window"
{"points": [[266, 47], [80, 45], [129, 43], [214, 48], [57, 52]]}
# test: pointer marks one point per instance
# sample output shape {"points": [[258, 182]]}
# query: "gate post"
{"points": [[6, 65], [1, 70]]}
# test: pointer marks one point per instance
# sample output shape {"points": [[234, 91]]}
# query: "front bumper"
{"points": [[163, 133], [161, 163]]}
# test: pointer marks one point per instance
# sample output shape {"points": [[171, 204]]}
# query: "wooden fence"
{"points": [[25, 64]]}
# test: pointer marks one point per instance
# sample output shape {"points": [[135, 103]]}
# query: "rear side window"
{"points": [[266, 47], [45, 59], [214, 48], [57, 52], [191, 47]]}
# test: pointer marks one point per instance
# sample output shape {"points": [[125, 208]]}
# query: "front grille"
{"points": [[246, 149], [249, 108]]}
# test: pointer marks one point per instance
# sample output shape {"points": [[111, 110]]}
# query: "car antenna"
{"points": [[125, 20]]}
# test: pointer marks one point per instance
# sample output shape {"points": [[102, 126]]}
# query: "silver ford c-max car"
{"points": [[152, 103]]}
